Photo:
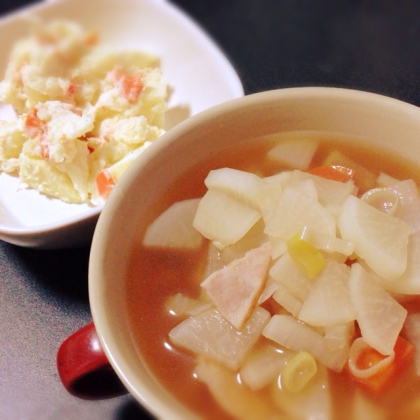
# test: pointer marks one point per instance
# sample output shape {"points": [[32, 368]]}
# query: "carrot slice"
{"points": [[368, 358], [104, 183], [333, 172]]}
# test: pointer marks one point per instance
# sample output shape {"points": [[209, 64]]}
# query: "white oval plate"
{"points": [[197, 70]]}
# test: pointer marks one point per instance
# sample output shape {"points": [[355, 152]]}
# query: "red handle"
{"points": [[84, 369]]}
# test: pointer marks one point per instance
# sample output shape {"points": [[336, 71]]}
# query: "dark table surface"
{"points": [[367, 45]]}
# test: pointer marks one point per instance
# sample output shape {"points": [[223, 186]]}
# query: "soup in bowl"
{"points": [[260, 261]]}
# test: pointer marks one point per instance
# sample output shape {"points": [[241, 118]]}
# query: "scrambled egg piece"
{"points": [[84, 112]]}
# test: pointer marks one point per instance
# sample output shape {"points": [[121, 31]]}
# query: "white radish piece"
{"points": [[235, 289], [296, 336], [174, 227], [328, 302], [241, 185], [224, 219], [409, 282], [296, 209], [379, 238], [285, 272], [288, 301], [329, 192], [380, 316], [209, 334], [294, 153]]}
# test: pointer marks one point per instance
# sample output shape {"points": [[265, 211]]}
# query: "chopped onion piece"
{"points": [[383, 199], [270, 287], [409, 209], [289, 302]]}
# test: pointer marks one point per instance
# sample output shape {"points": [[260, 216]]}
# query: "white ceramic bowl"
{"points": [[383, 122], [192, 63]]}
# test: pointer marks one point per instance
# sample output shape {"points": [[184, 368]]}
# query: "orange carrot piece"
{"points": [[132, 86], [104, 183], [333, 172], [378, 382]]}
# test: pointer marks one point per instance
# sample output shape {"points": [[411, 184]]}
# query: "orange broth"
{"points": [[155, 275]]}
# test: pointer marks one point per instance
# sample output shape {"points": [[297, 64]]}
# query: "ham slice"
{"points": [[235, 289]]}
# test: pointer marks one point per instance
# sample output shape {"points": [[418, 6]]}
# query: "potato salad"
{"points": [[83, 111]]}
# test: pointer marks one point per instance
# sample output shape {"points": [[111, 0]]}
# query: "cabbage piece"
{"points": [[223, 219], [380, 317], [235, 289], [264, 366], [237, 400], [379, 238], [209, 334], [174, 229], [294, 153], [328, 302], [244, 186]]}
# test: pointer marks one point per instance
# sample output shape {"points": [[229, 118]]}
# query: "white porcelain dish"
{"points": [[197, 70]]}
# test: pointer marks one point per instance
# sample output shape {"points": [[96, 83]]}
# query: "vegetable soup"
{"points": [[280, 279]]}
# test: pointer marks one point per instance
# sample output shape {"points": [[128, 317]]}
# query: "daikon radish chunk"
{"points": [[383, 199], [380, 317], [409, 208], [294, 153], [241, 185], [235, 289], [329, 192], [278, 246], [379, 238], [313, 402], [288, 301], [340, 337], [296, 209], [254, 238], [264, 366], [328, 302], [270, 287], [224, 219], [285, 272], [297, 336], [208, 334], [409, 282], [174, 227], [327, 243], [411, 331], [214, 260], [237, 400], [385, 180]]}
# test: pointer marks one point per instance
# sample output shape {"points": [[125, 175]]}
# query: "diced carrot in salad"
{"points": [[104, 183]]}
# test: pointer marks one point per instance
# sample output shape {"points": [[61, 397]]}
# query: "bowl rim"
{"points": [[99, 247]]}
